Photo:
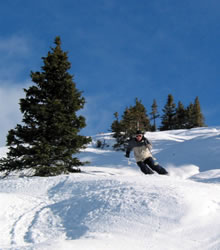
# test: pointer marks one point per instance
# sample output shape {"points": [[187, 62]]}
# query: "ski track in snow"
{"points": [[149, 210], [111, 205]]}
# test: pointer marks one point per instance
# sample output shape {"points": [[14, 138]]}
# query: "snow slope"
{"points": [[111, 205]]}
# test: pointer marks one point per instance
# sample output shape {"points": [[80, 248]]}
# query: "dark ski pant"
{"points": [[148, 165]]}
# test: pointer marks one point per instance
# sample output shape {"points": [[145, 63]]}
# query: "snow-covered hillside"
{"points": [[111, 205]]}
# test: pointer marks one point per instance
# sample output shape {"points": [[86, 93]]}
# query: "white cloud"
{"points": [[9, 108], [14, 45], [15, 57]]}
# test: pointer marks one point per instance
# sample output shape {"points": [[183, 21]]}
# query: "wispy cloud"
{"points": [[15, 58], [14, 45], [9, 108]]}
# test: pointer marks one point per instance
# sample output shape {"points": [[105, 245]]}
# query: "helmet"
{"points": [[139, 132]]}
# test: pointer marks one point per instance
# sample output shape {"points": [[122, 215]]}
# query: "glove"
{"points": [[127, 154]]}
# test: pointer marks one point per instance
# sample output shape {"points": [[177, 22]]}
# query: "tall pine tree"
{"points": [[154, 114], [48, 137], [180, 119], [168, 118], [198, 118], [116, 128], [134, 118], [194, 114], [189, 116]]}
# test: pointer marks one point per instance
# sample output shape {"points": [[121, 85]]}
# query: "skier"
{"points": [[142, 152]]}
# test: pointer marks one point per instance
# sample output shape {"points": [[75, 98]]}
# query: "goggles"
{"points": [[138, 136]]}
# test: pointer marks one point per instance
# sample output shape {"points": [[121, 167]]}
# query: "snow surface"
{"points": [[111, 205]]}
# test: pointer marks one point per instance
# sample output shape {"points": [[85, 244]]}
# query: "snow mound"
{"points": [[184, 171], [111, 204]]}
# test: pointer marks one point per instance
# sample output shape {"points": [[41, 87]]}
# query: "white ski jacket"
{"points": [[142, 149]]}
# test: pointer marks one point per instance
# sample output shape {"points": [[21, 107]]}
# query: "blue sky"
{"points": [[119, 50]]}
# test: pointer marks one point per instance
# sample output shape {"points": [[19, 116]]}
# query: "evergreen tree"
{"points": [[194, 116], [154, 114], [116, 128], [198, 118], [168, 119], [180, 119], [134, 118], [48, 137], [189, 116]]}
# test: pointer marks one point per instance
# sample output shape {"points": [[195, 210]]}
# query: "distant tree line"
{"points": [[173, 117]]}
